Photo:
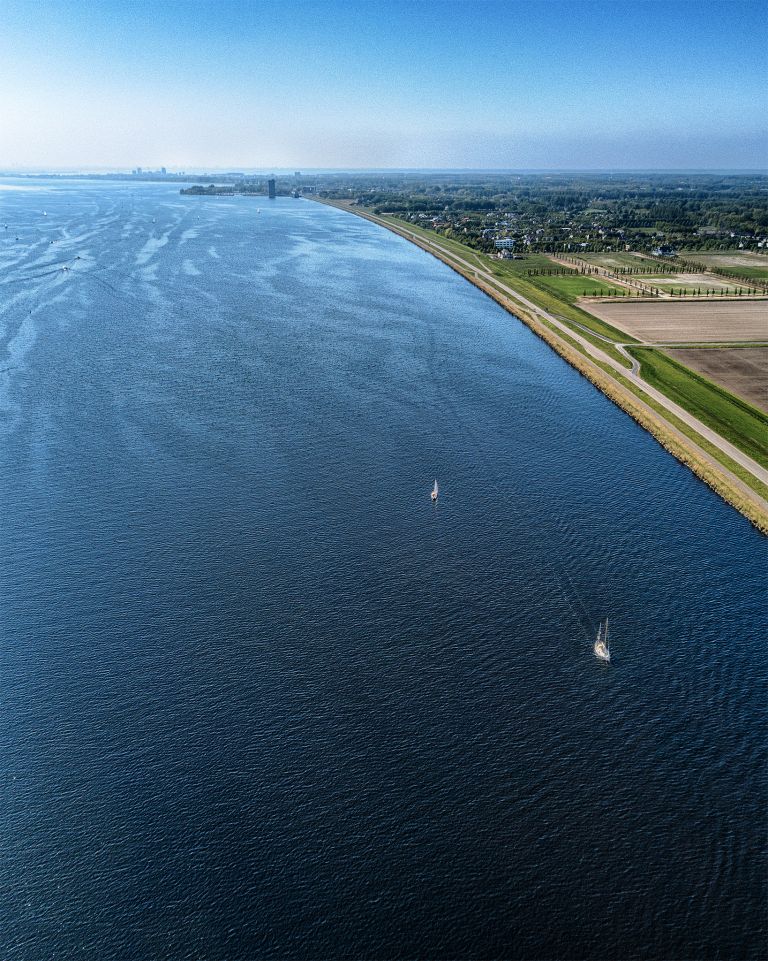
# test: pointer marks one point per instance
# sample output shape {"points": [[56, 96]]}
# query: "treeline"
{"points": [[549, 211], [652, 268], [554, 272]]}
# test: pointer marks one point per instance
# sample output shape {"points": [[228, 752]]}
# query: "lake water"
{"points": [[261, 699]]}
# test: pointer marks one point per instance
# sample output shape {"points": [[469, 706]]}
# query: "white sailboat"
{"points": [[601, 643], [434, 493]]}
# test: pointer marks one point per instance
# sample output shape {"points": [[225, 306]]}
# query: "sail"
{"points": [[601, 642], [434, 489]]}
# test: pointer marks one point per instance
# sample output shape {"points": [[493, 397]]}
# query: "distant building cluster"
{"points": [[141, 172]]}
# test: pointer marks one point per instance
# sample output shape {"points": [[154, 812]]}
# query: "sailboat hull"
{"points": [[601, 648]]}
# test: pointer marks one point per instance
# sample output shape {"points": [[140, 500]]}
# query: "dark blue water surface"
{"points": [[261, 699]]}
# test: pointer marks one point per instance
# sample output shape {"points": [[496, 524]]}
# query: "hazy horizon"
{"points": [[339, 86], [125, 170]]}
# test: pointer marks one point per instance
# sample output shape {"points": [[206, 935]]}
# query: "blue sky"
{"points": [[456, 83]]}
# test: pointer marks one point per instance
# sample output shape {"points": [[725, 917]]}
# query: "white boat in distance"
{"points": [[434, 493], [601, 643]]}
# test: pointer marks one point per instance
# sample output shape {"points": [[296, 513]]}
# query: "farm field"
{"points": [[741, 370], [619, 260], [691, 282], [744, 263], [571, 286], [674, 322]]}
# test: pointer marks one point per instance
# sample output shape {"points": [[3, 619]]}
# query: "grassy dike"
{"points": [[658, 422], [733, 418]]}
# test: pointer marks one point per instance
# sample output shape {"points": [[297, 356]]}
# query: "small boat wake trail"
{"points": [[556, 528]]}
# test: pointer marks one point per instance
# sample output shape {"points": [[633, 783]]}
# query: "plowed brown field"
{"points": [[741, 370], [671, 322]]}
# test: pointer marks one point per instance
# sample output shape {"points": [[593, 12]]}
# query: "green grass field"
{"points": [[734, 419], [748, 273], [572, 286], [531, 262]]}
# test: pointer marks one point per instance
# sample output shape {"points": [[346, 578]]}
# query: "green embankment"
{"points": [[734, 419]]}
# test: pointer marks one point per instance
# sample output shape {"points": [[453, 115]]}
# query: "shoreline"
{"points": [[729, 487]]}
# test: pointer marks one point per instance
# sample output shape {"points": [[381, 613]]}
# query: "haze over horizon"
{"points": [[237, 85]]}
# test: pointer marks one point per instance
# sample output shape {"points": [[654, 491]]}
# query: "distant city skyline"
{"points": [[442, 85]]}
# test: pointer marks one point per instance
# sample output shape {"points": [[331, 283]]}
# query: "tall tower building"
{"points": [[271, 189]]}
